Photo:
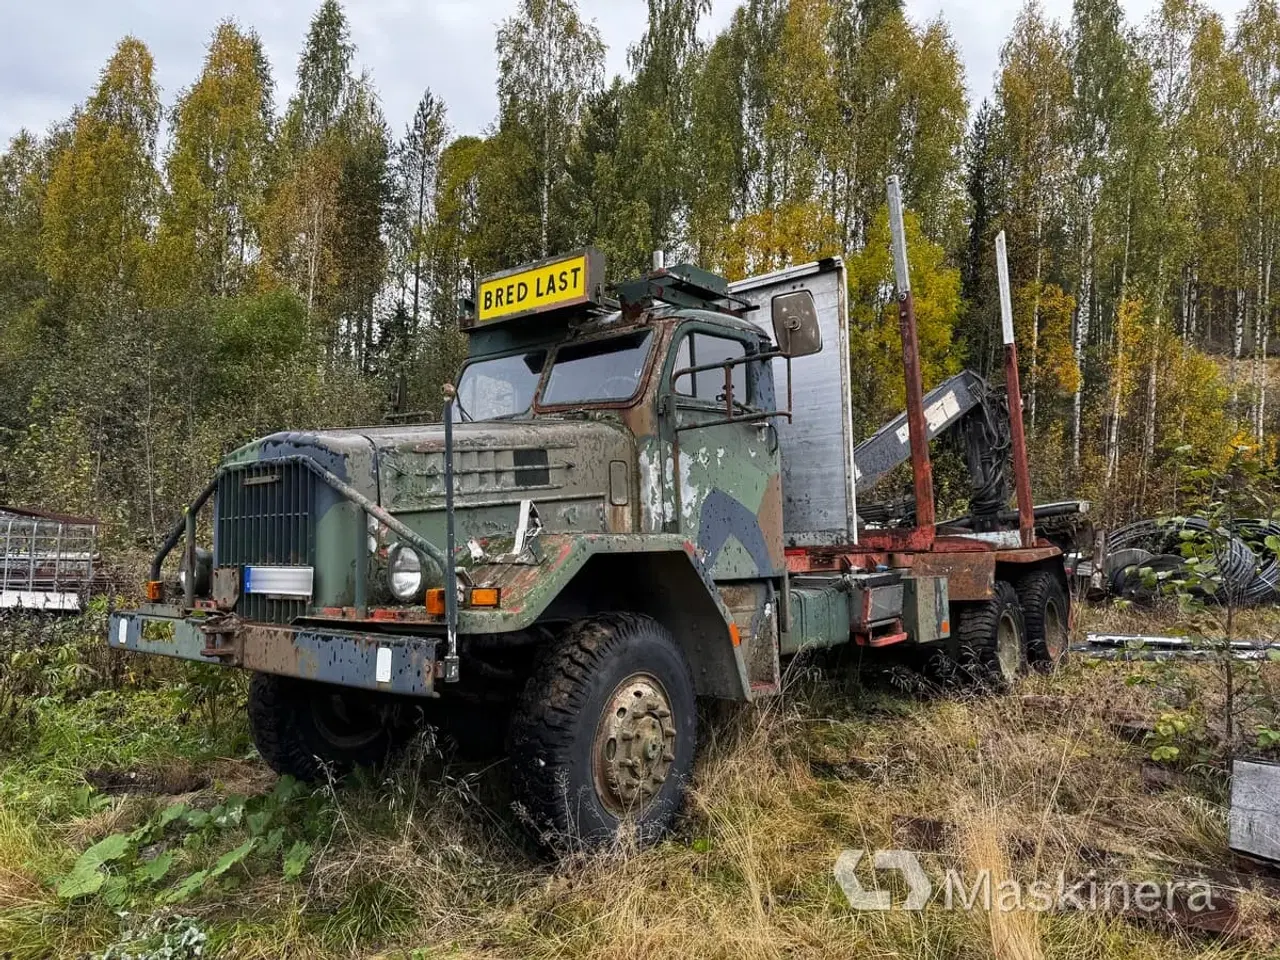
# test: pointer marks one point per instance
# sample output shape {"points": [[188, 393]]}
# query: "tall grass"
{"points": [[430, 858]]}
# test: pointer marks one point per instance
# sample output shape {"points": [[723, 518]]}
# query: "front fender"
{"points": [[667, 578]]}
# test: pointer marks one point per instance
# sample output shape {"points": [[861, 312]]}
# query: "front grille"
{"points": [[262, 515]]}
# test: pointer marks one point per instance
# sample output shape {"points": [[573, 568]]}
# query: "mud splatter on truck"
{"points": [[639, 496]]}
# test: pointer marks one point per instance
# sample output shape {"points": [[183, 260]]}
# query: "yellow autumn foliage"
{"points": [[874, 333]]}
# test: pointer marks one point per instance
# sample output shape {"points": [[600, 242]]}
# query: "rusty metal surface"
{"points": [[226, 588], [756, 617], [350, 659], [1028, 554], [921, 466], [970, 575], [35, 514]]}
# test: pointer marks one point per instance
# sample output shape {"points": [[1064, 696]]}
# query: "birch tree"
{"points": [[549, 60], [1099, 55], [1033, 96], [217, 170], [1258, 41]]}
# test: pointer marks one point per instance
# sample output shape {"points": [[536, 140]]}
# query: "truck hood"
{"points": [[495, 461], [402, 467]]}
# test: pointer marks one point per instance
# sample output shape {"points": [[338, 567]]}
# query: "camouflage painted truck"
{"points": [[638, 497]]}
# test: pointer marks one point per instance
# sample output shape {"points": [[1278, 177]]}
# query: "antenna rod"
{"points": [[1013, 388], [921, 467]]}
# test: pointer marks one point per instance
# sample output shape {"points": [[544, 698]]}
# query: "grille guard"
{"points": [[186, 528]]}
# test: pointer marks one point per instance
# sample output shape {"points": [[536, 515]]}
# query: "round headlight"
{"points": [[204, 572], [404, 572]]}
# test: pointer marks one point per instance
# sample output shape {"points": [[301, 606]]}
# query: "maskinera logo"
{"points": [[982, 891], [903, 861]]}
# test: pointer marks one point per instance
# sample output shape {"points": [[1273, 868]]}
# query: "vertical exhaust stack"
{"points": [[450, 550], [1013, 387], [921, 467]]}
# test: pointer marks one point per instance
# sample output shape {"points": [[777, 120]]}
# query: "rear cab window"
{"points": [[697, 349]]}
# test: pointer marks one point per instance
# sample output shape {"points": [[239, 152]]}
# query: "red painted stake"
{"points": [[921, 465], [921, 538], [1021, 472], [1013, 387]]}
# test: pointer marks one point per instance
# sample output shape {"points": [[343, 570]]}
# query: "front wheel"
{"points": [[307, 729], [604, 733]]}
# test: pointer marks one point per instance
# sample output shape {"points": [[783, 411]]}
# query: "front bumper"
{"points": [[372, 661]]}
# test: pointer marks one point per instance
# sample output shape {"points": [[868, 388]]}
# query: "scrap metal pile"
{"points": [[1244, 569]]}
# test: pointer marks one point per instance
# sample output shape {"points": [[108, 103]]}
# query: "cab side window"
{"points": [[699, 349]]}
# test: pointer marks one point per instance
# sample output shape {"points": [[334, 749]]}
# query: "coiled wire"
{"points": [[1247, 575]]}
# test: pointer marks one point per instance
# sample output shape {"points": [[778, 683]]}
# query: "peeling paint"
{"points": [[714, 489]]}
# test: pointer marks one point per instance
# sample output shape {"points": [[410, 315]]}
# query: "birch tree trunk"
{"points": [[1184, 321], [1261, 333], [1149, 434], [546, 126], [1082, 334], [1193, 304], [1035, 315], [1237, 345], [1118, 362]]}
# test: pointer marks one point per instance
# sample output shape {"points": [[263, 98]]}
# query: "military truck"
{"points": [[638, 496]]}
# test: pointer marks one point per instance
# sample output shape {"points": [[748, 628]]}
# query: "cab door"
{"points": [[727, 475], [727, 472]]}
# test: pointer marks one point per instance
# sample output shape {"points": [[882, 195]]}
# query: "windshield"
{"points": [[501, 387], [600, 370]]}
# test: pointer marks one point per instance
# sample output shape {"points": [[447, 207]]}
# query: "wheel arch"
{"points": [[659, 576], [666, 587], [1014, 571]]}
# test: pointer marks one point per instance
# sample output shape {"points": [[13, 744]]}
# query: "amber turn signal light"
{"points": [[154, 590], [476, 597], [484, 596]]}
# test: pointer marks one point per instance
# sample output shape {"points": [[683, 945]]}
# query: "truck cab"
{"points": [[637, 496]]}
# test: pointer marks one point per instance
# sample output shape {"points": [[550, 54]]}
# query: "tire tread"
{"points": [[542, 736]]}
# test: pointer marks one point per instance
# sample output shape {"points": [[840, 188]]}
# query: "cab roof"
{"points": [[512, 337]]}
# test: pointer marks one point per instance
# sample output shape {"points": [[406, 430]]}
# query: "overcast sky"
{"points": [[53, 50]]}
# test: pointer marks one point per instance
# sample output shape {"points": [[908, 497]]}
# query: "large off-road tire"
{"points": [[604, 734], [1045, 608], [991, 639], [313, 730]]}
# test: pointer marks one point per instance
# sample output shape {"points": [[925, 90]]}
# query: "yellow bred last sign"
{"points": [[540, 287]]}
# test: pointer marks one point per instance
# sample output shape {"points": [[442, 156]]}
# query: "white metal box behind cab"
{"points": [[819, 505]]}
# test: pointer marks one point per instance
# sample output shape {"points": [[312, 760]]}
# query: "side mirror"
{"points": [[795, 324]]}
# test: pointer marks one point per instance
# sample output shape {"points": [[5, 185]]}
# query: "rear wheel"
{"points": [[991, 635], [304, 728], [1045, 607], [604, 733]]}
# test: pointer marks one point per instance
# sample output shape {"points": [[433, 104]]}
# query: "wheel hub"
{"points": [[345, 722], [634, 745], [1008, 647], [1055, 632]]}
